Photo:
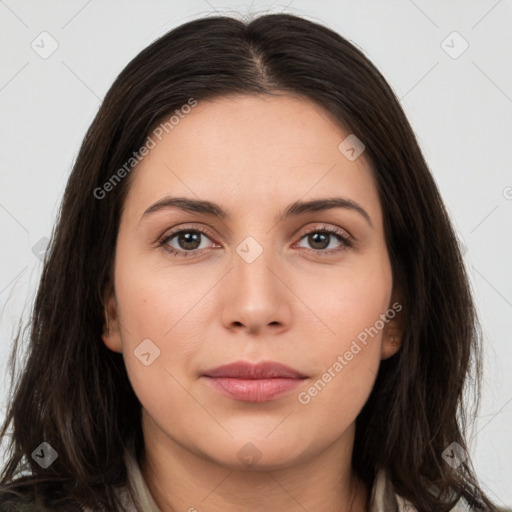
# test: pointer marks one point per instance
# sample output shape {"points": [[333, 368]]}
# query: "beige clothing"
{"points": [[383, 497]]}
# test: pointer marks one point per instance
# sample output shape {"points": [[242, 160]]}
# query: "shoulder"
{"points": [[384, 497], [10, 502]]}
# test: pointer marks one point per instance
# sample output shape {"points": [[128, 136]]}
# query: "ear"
{"points": [[111, 331], [393, 333]]}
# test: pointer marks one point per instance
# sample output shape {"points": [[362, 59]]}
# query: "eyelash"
{"points": [[346, 241]]}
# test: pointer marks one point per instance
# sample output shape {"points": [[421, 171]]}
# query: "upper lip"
{"points": [[261, 370]]}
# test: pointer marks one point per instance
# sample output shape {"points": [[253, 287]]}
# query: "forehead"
{"points": [[253, 152]]}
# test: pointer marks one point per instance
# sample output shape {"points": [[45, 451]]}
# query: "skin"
{"points": [[254, 156]]}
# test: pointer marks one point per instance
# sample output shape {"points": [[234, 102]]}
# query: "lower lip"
{"points": [[254, 390]]}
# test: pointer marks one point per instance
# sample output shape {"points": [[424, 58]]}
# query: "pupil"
{"points": [[189, 238], [319, 238]]}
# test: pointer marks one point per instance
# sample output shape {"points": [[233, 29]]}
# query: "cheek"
{"points": [[349, 301], [155, 303], [347, 356], [160, 329]]}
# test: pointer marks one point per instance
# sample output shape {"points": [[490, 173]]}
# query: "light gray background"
{"points": [[460, 109]]}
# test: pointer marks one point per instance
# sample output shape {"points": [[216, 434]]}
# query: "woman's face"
{"points": [[240, 272]]}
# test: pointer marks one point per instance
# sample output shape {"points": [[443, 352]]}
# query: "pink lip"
{"points": [[254, 382]]}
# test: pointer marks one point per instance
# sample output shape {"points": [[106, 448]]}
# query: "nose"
{"points": [[256, 297]]}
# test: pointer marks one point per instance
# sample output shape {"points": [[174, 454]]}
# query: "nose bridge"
{"points": [[253, 260]]}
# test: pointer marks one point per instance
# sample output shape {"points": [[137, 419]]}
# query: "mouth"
{"points": [[249, 382]]}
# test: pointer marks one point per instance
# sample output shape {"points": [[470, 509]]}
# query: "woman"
{"points": [[253, 298]]}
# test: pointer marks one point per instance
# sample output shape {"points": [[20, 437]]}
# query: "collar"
{"points": [[383, 496]]}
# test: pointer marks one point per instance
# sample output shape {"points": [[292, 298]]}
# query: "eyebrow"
{"points": [[293, 210]]}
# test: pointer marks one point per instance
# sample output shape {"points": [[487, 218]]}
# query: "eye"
{"points": [[185, 242], [321, 240], [191, 241]]}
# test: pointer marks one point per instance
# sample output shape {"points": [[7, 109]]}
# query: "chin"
{"points": [[253, 453]]}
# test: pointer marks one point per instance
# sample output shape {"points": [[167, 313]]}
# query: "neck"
{"points": [[182, 480]]}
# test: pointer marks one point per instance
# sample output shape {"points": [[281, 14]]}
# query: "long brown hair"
{"points": [[74, 393]]}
